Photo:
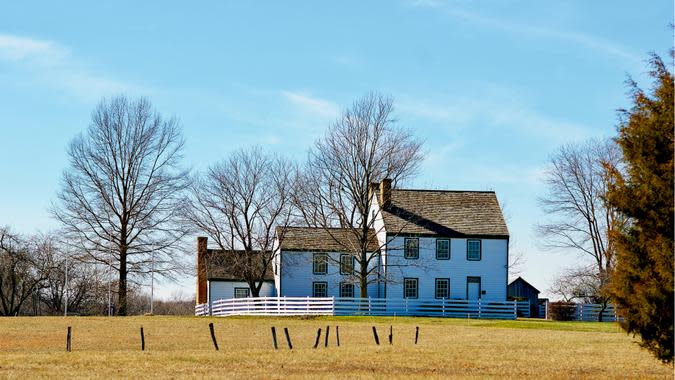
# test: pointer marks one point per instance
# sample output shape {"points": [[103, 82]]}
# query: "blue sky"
{"points": [[494, 87]]}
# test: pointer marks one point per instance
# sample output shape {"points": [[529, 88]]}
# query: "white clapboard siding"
{"points": [[296, 276], [491, 268], [282, 306]]}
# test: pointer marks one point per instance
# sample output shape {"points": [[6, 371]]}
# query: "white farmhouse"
{"points": [[423, 244], [441, 244]]}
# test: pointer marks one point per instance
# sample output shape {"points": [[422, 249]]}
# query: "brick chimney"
{"points": [[201, 270], [385, 192]]}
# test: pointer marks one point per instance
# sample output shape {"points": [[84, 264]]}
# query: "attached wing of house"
{"points": [[320, 262], [219, 275]]}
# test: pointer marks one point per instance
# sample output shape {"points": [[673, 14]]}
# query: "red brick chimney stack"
{"points": [[201, 270], [385, 192]]}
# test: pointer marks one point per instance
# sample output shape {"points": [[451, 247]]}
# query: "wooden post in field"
{"points": [[417, 333], [142, 340], [274, 337], [213, 336], [288, 338], [325, 343], [391, 334], [318, 336], [68, 346], [337, 335], [377, 340]]}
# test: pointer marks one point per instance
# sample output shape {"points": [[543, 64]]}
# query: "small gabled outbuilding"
{"points": [[519, 289]]}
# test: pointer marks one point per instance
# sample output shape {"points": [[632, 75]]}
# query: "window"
{"points": [[473, 252], [320, 261], [412, 248], [443, 249], [346, 264], [242, 292], [346, 289], [442, 288], [410, 288], [319, 289]]}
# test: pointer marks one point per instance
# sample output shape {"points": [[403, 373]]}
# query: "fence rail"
{"points": [[281, 306], [589, 312], [524, 309]]}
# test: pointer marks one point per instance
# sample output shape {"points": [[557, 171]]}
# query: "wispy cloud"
{"points": [[491, 110], [17, 49], [319, 107], [53, 64], [531, 30]]}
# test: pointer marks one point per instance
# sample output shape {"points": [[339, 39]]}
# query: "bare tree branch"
{"points": [[363, 146], [238, 203]]}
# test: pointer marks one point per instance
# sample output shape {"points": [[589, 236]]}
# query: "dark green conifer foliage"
{"points": [[642, 282]]}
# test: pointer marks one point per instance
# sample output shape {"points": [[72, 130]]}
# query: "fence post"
{"points": [[288, 338], [332, 305], [377, 340], [479, 309], [443, 307], [142, 340], [391, 334], [68, 335], [337, 335], [515, 309], [274, 337], [417, 333], [318, 336], [325, 343], [406, 306], [370, 311], [213, 336]]}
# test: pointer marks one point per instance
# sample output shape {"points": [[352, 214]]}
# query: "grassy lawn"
{"points": [[179, 347]]}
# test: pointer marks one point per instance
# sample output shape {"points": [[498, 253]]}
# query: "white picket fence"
{"points": [[589, 312], [286, 306], [202, 309]]}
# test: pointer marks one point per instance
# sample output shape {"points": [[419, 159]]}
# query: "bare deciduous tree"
{"points": [[579, 284], [580, 218], [25, 266], [238, 203], [119, 197], [81, 280], [363, 146]]}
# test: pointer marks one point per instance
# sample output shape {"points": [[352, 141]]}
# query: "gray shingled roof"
{"points": [[320, 239], [446, 213], [227, 265]]}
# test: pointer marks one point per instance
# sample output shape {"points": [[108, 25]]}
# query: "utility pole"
{"points": [[110, 280], [152, 281], [65, 287]]}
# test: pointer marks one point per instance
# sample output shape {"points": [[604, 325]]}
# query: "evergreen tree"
{"points": [[642, 282]]}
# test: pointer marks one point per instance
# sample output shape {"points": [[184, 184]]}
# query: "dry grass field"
{"points": [[178, 347]]}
